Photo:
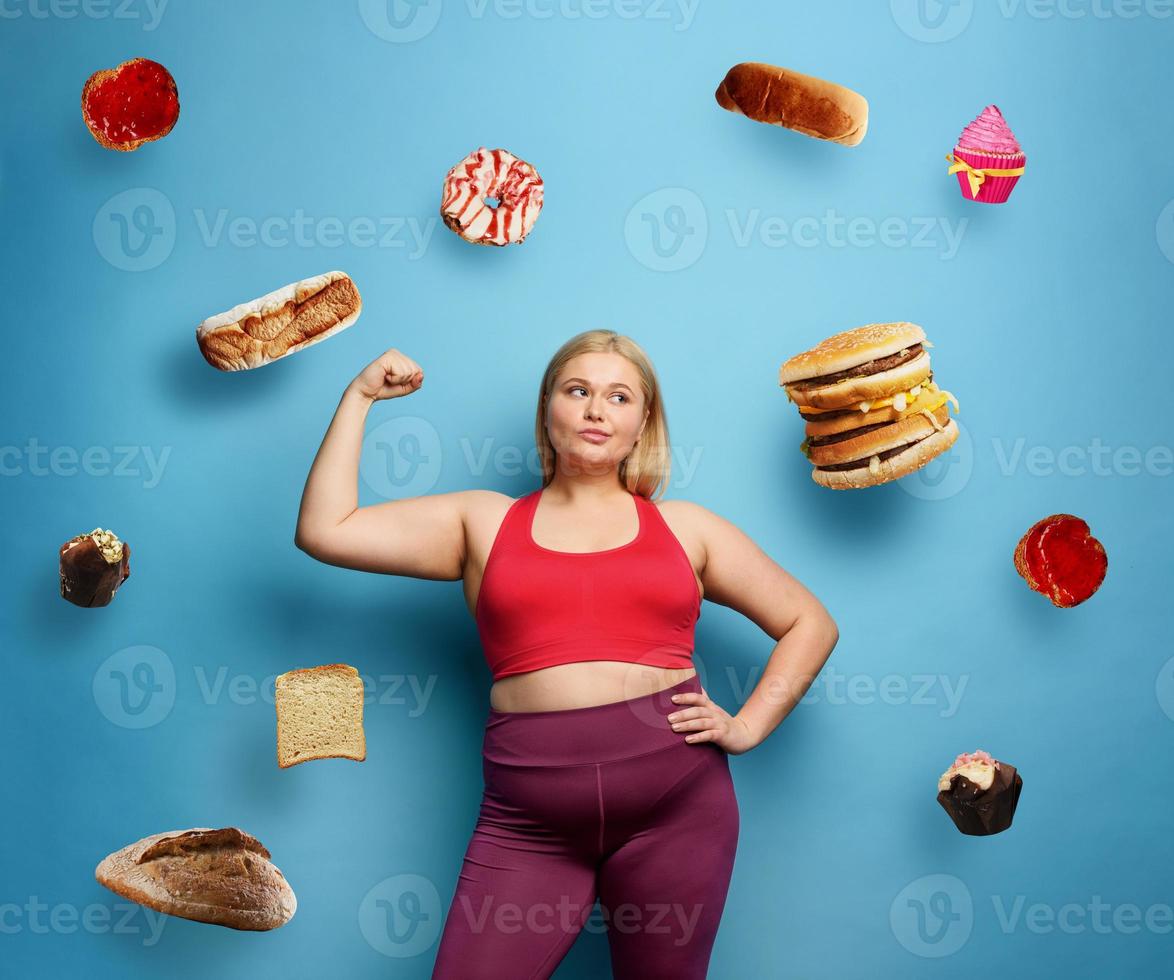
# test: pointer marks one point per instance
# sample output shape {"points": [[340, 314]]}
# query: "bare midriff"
{"points": [[582, 684]]}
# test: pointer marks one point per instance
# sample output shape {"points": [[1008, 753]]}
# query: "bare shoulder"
{"points": [[696, 520], [695, 525], [484, 511], [481, 505]]}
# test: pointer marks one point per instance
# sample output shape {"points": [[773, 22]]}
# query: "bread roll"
{"points": [[787, 98], [223, 877], [280, 323]]}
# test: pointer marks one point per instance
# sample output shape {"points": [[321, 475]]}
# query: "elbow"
{"points": [[831, 631], [304, 541]]}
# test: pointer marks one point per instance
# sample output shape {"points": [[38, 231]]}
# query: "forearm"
{"points": [[796, 660], [331, 494]]}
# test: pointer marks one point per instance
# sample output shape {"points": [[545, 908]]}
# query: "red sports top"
{"points": [[538, 607]]}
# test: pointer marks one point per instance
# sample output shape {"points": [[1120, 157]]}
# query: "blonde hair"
{"points": [[645, 470]]}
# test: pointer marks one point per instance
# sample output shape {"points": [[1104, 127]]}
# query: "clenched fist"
{"points": [[391, 375]]}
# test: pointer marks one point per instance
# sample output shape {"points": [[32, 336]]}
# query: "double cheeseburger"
{"points": [[872, 409]]}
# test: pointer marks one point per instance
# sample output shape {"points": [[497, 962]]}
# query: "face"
{"points": [[595, 391]]}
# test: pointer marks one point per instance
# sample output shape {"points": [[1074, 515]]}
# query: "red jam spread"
{"points": [[1064, 561], [137, 102]]}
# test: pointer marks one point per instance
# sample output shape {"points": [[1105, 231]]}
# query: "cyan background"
{"points": [[1051, 324]]}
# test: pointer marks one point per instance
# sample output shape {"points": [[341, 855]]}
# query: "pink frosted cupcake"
{"points": [[988, 159]]}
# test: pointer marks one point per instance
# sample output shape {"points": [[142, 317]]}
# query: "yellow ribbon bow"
{"points": [[977, 175]]}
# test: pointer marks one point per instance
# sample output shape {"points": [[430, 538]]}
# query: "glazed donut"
{"points": [[495, 175]]}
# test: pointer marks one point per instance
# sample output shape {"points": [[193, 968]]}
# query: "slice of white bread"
{"points": [[319, 715]]}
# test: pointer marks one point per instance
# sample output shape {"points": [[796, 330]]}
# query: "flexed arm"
{"points": [[420, 536]]}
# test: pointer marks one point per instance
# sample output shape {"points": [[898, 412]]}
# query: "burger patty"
{"points": [[850, 434], [861, 370], [863, 463], [839, 413]]}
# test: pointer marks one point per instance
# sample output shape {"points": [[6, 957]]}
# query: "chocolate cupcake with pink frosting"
{"points": [[980, 793], [988, 158]]}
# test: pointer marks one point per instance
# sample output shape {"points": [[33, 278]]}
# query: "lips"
{"points": [[594, 435]]}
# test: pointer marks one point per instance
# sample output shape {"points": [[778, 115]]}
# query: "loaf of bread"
{"points": [[809, 105], [280, 323], [223, 877], [319, 715]]}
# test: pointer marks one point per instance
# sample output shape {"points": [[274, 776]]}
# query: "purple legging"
{"points": [[602, 802]]}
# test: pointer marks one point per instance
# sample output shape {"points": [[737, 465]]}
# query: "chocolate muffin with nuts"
{"points": [[93, 566]]}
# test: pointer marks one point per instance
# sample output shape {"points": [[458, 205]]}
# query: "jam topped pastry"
{"points": [[130, 105], [1058, 557]]}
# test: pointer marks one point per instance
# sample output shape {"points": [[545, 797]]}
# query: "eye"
{"points": [[581, 388]]}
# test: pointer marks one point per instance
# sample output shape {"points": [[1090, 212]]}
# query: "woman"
{"points": [[605, 761]]}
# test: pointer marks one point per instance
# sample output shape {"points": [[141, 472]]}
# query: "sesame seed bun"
{"points": [[851, 348]]}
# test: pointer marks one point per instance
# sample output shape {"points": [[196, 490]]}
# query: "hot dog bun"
{"points": [[280, 323], [782, 97]]}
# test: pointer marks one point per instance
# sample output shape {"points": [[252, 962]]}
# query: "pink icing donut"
{"points": [[485, 176]]}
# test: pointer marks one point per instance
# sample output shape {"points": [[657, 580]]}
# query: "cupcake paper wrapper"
{"points": [[980, 813], [994, 190]]}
